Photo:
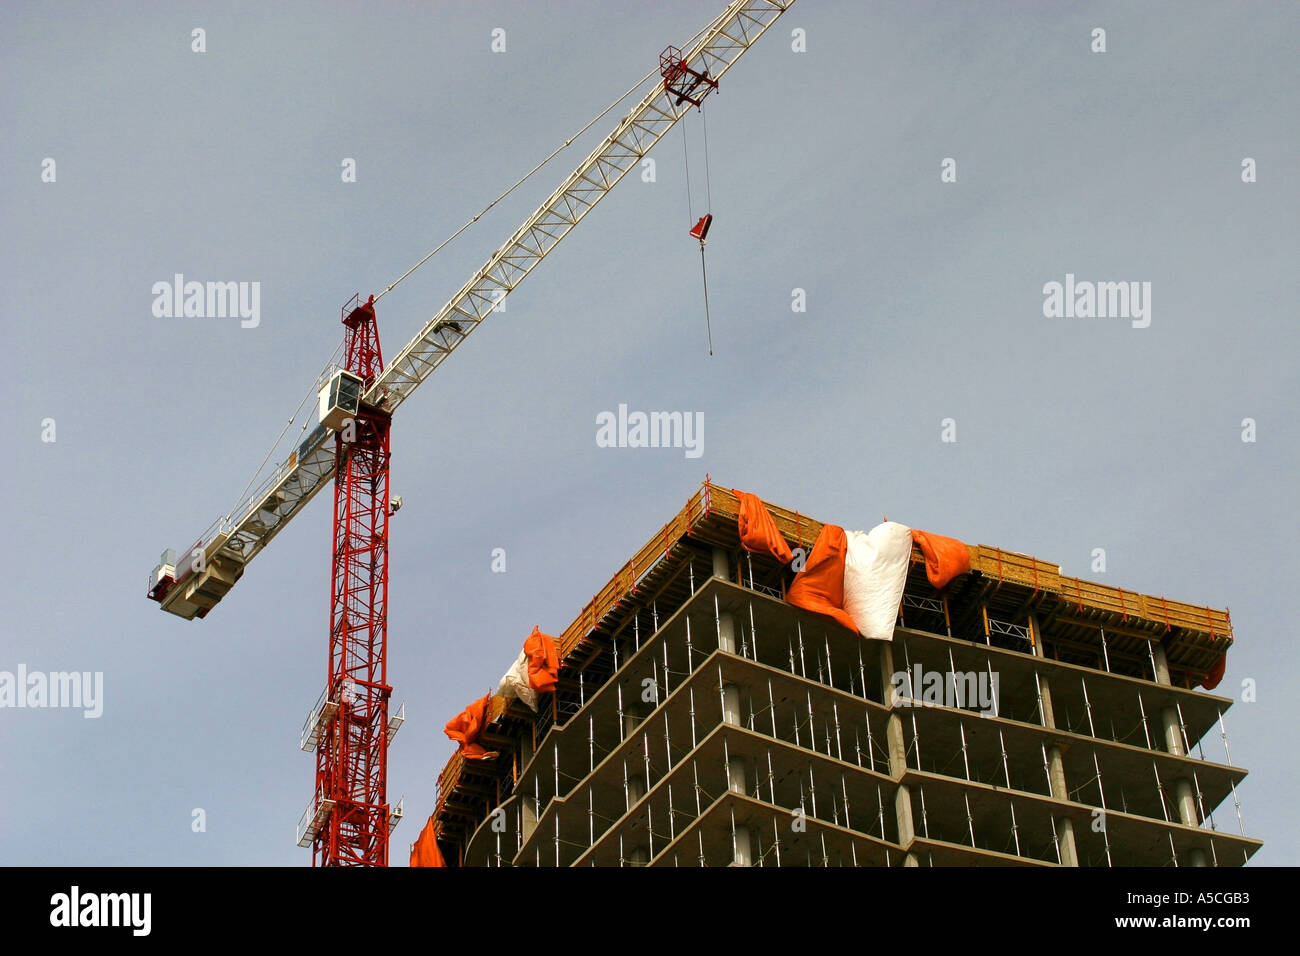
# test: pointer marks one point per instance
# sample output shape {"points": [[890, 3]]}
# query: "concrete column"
{"points": [[1045, 695], [1065, 834], [731, 704], [744, 847], [1173, 728], [635, 790], [886, 672], [736, 775], [1184, 793], [1056, 771], [630, 720], [897, 749], [903, 796], [1161, 664], [721, 564], [528, 815], [727, 632], [1056, 775], [1185, 800], [638, 855], [903, 811]]}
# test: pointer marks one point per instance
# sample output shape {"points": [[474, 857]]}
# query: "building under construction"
{"points": [[701, 716]]}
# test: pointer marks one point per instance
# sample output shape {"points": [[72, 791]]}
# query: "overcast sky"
{"points": [[924, 301]]}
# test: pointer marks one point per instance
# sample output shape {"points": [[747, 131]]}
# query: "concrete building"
{"points": [[1019, 717]]}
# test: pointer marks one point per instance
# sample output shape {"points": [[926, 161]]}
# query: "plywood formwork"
{"points": [[1076, 621]]}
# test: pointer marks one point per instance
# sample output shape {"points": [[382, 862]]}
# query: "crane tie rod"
{"points": [[528, 175]]}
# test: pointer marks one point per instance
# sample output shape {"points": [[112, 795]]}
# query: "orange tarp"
{"points": [[1215, 674], [757, 529], [819, 587], [543, 661], [425, 852], [945, 558], [468, 726]]}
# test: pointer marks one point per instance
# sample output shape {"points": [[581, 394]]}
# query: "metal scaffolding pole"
{"points": [[1182, 727], [958, 691], [1223, 735], [839, 751], [668, 750], [916, 740], [1146, 729], [1200, 803], [690, 646], [1087, 706], [803, 671], [753, 630], [771, 705], [1006, 767], [1160, 790], [862, 672], [993, 687], [871, 747]]}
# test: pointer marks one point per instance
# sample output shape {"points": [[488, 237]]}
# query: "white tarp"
{"points": [[875, 571], [514, 683]]}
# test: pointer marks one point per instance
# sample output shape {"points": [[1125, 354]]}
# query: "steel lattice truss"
{"points": [[351, 756]]}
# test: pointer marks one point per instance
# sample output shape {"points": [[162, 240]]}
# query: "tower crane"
{"points": [[348, 820]]}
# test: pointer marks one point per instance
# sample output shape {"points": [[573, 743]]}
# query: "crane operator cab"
{"points": [[340, 400]]}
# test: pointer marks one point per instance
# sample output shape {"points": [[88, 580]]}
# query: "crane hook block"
{"points": [[701, 230]]}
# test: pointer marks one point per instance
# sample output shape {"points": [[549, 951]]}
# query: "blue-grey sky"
{"points": [[924, 302]]}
